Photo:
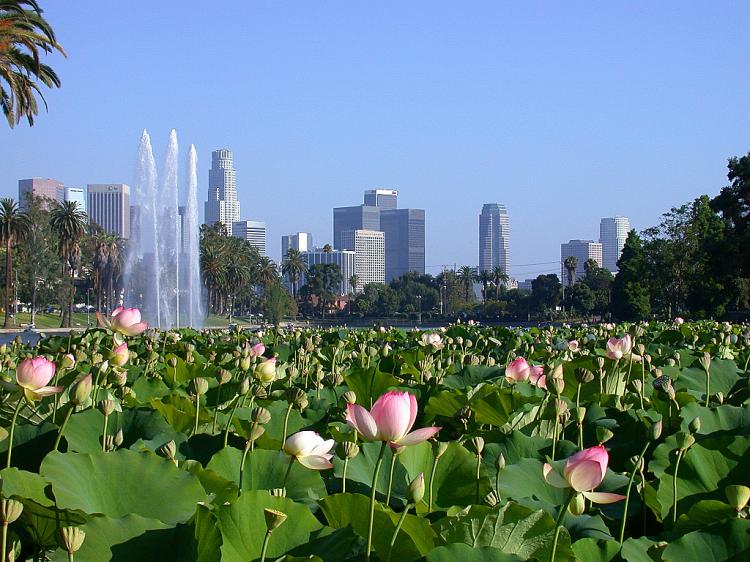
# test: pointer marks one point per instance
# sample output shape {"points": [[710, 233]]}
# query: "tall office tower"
{"points": [[494, 238], [76, 195], [252, 231], [404, 231], [369, 249], [222, 205], [109, 207], [301, 241], [359, 217], [40, 187], [582, 250], [345, 259], [383, 198], [613, 231]]}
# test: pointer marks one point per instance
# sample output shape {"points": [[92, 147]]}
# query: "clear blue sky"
{"points": [[564, 111]]}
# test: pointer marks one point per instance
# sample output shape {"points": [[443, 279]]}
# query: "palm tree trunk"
{"points": [[72, 298], [110, 291], [8, 280], [33, 301]]}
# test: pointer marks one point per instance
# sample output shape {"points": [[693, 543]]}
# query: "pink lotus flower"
{"points": [[679, 320], [573, 345], [617, 348], [517, 370], [583, 472], [310, 449], [390, 420], [257, 350], [537, 376], [126, 321], [266, 371], [33, 375], [120, 355]]}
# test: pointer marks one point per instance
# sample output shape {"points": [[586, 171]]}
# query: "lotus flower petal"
{"points": [[584, 476], [552, 477], [392, 413], [603, 497], [418, 435], [315, 462], [361, 420]]}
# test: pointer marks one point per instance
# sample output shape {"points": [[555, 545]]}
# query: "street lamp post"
{"points": [[443, 289], [419, 314]]}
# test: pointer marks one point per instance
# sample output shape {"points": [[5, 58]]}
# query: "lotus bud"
{"points": [[172, 362], [119, 377], [266, 371], [500, 461], [695, 425], [415, 491], [68, 361], [80, 356], [684, 440], [560, 406], [71, 538], [278, 492], [439, 448], [81, 390], [107, 407], [640, 349], [349, 397], [492, 498], [223, 376], [671, 362], [477, 445], [584, 376], [720, 397], [119, 438], [168, 450], [738, 496], [638, 385], [655, 430], [577, 505], [244, 386], [580, 414], [603, 434], [347, 450], [260, 415], [10, 510], [647, 358], [705, 361], [245, 363], [274, 518], [199, 386], [96, 358]]}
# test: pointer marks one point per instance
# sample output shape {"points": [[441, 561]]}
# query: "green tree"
{"points": [[14, 226], [500, 278], [582, 299], [599, 280], [630, 292], [69, 223], [466, 277], [545, 292], [322, 282], [293, 267], [485, 278], [570, 264], [24, 36], [278, 303], [354, 282]]}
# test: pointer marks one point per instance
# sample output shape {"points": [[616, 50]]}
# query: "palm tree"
{"points": [[571, 264], [69, 223], [14, 225], [354, 282], [294, 267], [466, 277], [499, 277], [484, 277], [212, 272], [115, 245], [327, 249], [267, 271], [24, 36], [590, 266], [100, 264]]}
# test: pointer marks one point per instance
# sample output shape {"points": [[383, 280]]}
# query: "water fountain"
{"points": [[161, 274]]}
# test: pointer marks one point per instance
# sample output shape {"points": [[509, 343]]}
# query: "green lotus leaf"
{"points": [[727, 542], [465, 553], [592, 550], [20, 484]]}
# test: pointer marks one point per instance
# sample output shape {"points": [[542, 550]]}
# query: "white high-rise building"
{"points": [[301, 241], [222, 204], [252, 231], [77, 195], [582, 250], [369, 250], [494, 238], [613, 231], [109, 207]]}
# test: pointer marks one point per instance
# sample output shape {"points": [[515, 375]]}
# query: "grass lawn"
{"points": [[46, 321]]}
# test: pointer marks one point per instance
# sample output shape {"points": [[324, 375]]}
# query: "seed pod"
{"points": [[584, 376], [274, 518], [684, 440], [492, 498], [603, 434], [600, 363], [168, 450], [199, 386], [107, 407], [349, 397], [278, 492], [260, 415], [71, 538], [695, 425], [347, 450], [439, 448]]}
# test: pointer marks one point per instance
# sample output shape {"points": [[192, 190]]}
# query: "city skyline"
{"points": [[561, 129]]}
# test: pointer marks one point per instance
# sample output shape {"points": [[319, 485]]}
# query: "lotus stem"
{"points": [[554, 437], [674, 485], [62, 427], [479, 466], [558, 527], [4, 541], [343, 476], [286, 424], [229, 421], [104, 433], [432, 479], [242, 462], [197, 413], [395, 532], [216, 410], [19, 405], [390, 479], [372, 500], [627, 493], [708, 387], [643, 382], [264, 548], [286, 474]]}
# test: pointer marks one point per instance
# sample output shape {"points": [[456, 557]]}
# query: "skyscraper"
{"points": [[613, 232], [343, 258], [109, 207], [252, 231], [301, 241], [77, 195], [494, 238], [383, 198], [222, 204], [40, 187], [359, 217], [369, 254], [582, 250], [404, 231]]}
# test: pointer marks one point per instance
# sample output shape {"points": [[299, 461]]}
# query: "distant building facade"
{"points": [[369, 250], [343, 258], [222, 204], [76, 195], [404, 231], [383, 198], [613, 231], [494, 238], [252, 231], [301, 241], [582, 250], [40, 187], [359, 217], [109, 207]]}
